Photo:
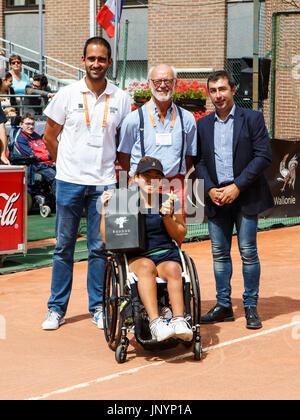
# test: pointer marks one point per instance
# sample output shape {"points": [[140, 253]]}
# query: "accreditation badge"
{"points": [[96, 139], [163, 139]]}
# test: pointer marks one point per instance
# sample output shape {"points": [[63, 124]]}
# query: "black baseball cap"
{"points": [[149, 163]]}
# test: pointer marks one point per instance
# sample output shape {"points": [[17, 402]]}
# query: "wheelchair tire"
{"points": [[197, 350], [195, 289], [121, 353], [113, 292], [45, 211], [29, 202]]}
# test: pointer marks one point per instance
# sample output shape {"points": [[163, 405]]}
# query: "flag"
{"points": [[106, 17]]}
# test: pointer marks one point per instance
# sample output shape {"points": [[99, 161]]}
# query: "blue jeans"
{"points": [[221, 230], [71, 199]]}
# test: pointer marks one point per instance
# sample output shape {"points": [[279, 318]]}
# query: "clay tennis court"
{"points": [[75, 362]]}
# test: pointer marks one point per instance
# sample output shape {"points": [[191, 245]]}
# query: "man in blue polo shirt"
{"points": [[169, 132]]}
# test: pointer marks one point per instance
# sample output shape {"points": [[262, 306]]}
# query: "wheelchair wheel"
{"points": [[198, 350], [113, 294], [121, 352], [195, 289], [195, 306], [29, 202], [45, 211]]}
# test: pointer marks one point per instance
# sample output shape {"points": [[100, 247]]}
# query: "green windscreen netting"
{"points": [[199, 232]]}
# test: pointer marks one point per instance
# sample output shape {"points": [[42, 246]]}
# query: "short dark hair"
{"points": [[7, 75], [27, 115], [97, 40], [42, 79], [15, 57], [221, 74]]}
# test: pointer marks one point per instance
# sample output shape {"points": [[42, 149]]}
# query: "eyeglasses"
{"points": [[16, 62], [158, 82], [29, 124]]}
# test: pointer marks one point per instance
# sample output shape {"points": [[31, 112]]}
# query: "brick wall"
{"points": [[2, 26], [287, 90], [192, 36], [66, 29]]}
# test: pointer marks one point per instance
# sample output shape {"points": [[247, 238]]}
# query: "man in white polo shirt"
{"points": [[83, 122]]}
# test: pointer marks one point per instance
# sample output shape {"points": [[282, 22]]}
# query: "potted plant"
{"points": [[140, 92], [190, 95]]}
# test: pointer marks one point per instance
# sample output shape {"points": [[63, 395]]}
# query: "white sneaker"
{"points": [[98, 318], [166, 313], [53, 321], [181, 328], [161, 330]]}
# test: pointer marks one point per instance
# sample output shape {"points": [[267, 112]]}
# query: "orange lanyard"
{"points": [[153, 119], [87, 115]]}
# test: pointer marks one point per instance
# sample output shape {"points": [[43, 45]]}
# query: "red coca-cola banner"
{"points": [[13, 218]]}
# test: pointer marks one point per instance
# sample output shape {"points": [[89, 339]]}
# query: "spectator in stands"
{"points": [[10, 111], [3, 139], [7, 89], [2, 64], [40, 82], [20, 79], [29, 143], [39, 87]]}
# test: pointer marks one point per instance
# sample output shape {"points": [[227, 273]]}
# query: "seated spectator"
{"points": [[29, 143], [20, 79], [10, 111], [39, 87], [13, 118], [2, 64], [6, 89], [3, 139], [40, 82]]}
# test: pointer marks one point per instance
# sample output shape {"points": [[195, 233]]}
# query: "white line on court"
{"points": [[183, 356]]}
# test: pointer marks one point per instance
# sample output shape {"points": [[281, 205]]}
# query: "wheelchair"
{"points": [[39, 194], [123, 310]]}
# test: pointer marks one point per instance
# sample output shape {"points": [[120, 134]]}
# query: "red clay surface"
{"points": [[75, 362]]}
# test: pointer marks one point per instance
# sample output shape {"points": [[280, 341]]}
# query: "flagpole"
{"points": [[41, 40], [93, 7], [115, 58]]}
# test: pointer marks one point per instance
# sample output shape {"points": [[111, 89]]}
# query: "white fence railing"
{"points": [[57, 72]]}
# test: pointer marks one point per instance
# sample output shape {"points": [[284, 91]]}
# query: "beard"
{"points": [[98, 76], [162, 96]]}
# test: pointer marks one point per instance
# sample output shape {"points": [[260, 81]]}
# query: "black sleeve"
{"points": [[3, 118], [13, 101]]}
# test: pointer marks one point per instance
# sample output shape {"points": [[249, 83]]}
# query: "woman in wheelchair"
{"points": [[164, 226]]}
